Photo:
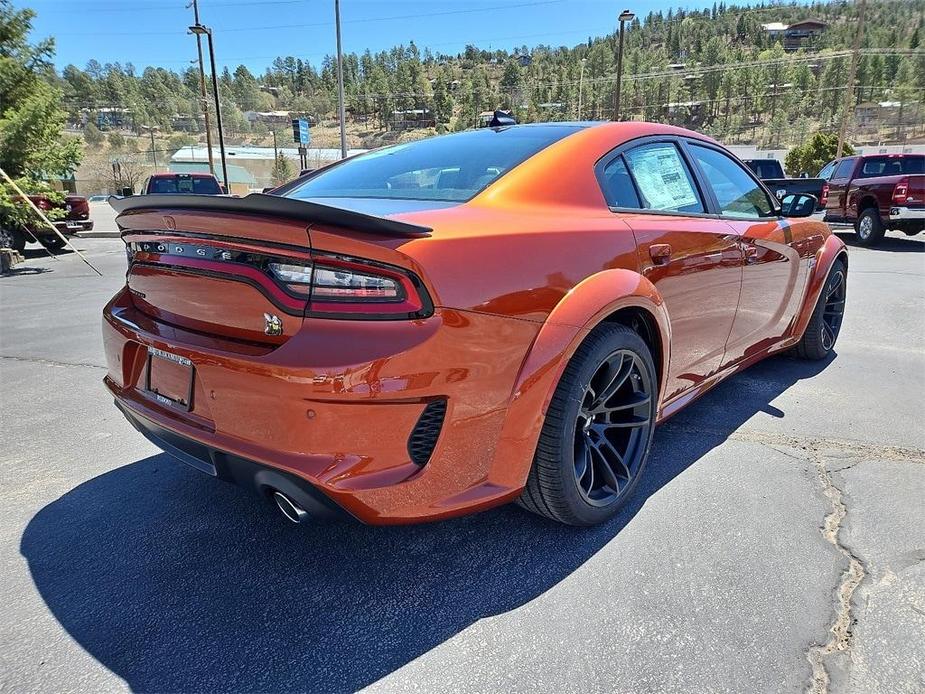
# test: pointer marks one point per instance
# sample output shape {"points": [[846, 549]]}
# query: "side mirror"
{"points": [[798, 205], [127, 192], [224, 188]]}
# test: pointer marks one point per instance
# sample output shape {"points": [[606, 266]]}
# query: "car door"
{"points": [[691, 257], [775, 271], [836, 206]]}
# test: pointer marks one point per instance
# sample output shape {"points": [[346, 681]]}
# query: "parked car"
{"points": [[77, 218], [876, 193], [447, 325], [182, 183], [772, 175]]}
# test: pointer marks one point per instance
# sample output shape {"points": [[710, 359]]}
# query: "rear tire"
{"points": [[869, 227], [12, 238], [825, 324], [595, 440]]}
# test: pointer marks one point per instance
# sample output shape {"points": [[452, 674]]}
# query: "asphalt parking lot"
{"points": [[776, 544]]}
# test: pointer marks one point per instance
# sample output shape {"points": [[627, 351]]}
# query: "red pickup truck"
{"points": [[76, 218], [876, 193]]}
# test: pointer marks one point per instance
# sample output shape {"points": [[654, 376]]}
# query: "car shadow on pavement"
{"points": [[895, 244], [176, 582]]}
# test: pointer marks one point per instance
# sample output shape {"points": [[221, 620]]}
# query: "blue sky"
{"points": [[253, 32]]}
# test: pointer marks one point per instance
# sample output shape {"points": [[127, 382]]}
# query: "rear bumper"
{"points": [[336, 405], [72, 226], [231, 468], [907, 214]]}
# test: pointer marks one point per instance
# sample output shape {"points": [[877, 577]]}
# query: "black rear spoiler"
{"points": [[274, 206]]}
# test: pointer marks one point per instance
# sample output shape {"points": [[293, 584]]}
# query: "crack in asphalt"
{"points": [[841, 630], [810, 444], [50, 362], [814, 451]]}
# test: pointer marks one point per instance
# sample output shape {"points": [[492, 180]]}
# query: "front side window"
{"points": [[451, 168], [827, 170], [844, 169], [737, 193], [662, 179]]}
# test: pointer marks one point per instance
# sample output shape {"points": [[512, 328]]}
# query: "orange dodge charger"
{"points": [[443, 326]]}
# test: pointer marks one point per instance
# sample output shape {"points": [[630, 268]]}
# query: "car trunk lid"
{"points": [[208, 264]]}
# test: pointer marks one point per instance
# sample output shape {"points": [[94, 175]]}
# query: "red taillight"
{"points": [[901, 192], [824, 198], [350, 288]]}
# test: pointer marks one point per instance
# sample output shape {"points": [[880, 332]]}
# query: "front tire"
{"points": [[595, 440], [825, 323], [869, 227]]}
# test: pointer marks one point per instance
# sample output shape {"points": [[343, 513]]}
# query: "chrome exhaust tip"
{"points": [[290, 509]]}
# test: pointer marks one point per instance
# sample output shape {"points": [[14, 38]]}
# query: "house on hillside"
{"points": [[268, 117], [796, 36], [411, 118]]}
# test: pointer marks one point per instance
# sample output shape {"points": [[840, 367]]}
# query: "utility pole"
{"points": [[581, 78], [203, 99], [340, 85], [153, 148], [625, 16], [199, 29], [852, 76]]}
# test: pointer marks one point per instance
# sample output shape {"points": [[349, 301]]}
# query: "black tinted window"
{"points": [[196, 185], [892, 166], [618, 186], [827, 170], [737, 193], [449, 167], [844, 169], [662, 178]]}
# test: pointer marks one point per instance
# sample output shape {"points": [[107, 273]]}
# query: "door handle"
{"points": [[660, 253]]}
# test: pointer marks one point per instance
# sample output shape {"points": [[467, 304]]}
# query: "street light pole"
{"points": [[203, 99], [581, 79], [340, 84], [625, 16], [199, 29]]}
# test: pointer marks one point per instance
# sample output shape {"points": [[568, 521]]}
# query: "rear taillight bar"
{"points": [[332, 286], [824, 198]]}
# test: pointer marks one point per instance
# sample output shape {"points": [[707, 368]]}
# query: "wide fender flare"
{"points": [[567, 325], [825, 257]]}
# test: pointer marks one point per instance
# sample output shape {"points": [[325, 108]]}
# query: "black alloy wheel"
{"points": [[833, 308], [612, 427], [598, 428]]}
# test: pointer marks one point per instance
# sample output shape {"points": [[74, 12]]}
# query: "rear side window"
{"points": [[662, 179], [892, 166], [737, 193], [618, 186], [844, 169]]}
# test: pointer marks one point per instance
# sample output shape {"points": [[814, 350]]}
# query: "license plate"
{"points": [[169, 379]]}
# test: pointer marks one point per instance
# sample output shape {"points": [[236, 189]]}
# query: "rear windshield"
{"points": [[197, 185], [450, 168], [765, 168], [892, 166]]}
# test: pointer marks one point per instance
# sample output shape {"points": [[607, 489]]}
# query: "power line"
{"points": [[362, 20]]}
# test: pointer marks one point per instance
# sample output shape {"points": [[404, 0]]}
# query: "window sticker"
{"points": [[662, 178]]}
